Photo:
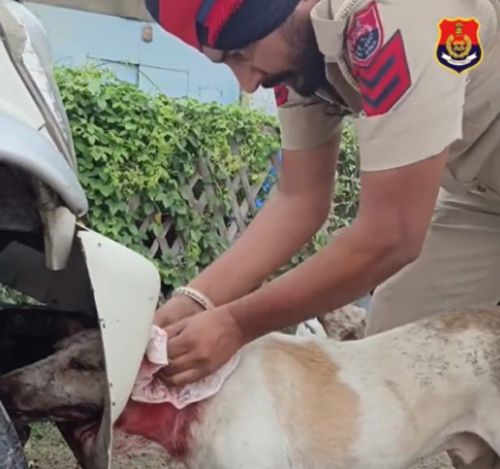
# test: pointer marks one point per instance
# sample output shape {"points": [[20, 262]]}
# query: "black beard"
{"points": [[305, 82], [309, 73]]}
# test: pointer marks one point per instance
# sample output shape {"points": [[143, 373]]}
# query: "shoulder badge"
{"points": [[380, 66], [365, 35], [459, 47]]}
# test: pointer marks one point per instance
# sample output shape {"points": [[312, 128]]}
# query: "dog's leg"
{"points": [[488, 417]]}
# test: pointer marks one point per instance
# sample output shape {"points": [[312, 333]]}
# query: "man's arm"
{"points": [[288, 221], [395, 211]]}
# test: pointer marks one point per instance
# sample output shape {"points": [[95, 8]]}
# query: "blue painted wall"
{"points": [[165, 64]]}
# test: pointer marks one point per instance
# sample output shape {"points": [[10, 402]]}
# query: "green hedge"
{"points": [[131, 144]]}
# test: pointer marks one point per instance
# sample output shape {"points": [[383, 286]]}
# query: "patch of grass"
{"points": [[46, 449]]}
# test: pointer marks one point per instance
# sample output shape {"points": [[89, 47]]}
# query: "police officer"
{"points": [[420, 80]]}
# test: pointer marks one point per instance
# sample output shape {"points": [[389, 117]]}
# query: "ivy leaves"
{"points": [[137, 152]]}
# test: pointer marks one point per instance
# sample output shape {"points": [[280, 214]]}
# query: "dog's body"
{"points": [[314, 403], [381, 402]]}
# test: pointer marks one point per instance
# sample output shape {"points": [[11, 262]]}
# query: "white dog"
{"points": [[314, 403], [309, 402]]}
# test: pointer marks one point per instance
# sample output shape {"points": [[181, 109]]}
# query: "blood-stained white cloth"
{"points": [[150, 389]]}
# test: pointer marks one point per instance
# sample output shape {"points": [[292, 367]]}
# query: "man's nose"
{"points": [[249, 78]]}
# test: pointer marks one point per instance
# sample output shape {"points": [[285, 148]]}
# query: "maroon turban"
{"points": [[220, 24]]}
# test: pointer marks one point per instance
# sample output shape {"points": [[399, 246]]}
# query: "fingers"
{"points": [[176, 366], [176, 309], [185, 377], [175, 329], [197, 346], [176, 350], [176, 372]]}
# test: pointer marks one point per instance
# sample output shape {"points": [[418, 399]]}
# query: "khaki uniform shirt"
{"points": [[400, 67]]}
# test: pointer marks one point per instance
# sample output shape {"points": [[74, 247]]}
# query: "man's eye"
{"points": [[238, 55], [220, 59]]}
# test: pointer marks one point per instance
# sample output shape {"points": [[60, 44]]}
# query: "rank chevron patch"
{"points": [[385, 80]]}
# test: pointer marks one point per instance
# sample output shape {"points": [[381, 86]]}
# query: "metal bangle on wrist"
{"points": [[196, 296]]}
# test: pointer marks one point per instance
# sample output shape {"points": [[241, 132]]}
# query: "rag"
{"points": [[150, 389]]}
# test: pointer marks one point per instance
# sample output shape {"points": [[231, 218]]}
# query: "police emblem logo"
{"points": [[459, 47], [365, 35]]}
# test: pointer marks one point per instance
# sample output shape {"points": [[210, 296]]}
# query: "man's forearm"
{"points": [[348, 268], [280, 230]]}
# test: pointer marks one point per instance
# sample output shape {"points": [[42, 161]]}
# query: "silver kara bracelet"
{"points": [[195, 295]]}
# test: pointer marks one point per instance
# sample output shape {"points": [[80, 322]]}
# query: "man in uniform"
{"points": [[421, 82]]}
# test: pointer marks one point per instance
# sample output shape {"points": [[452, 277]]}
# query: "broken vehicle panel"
{"points": [[11, 452], [82, 279]]}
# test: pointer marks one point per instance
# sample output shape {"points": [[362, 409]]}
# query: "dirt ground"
{"points": [[46, 450]]}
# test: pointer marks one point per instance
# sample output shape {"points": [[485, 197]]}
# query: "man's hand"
{"points": [[177, 308], [199, 345]]}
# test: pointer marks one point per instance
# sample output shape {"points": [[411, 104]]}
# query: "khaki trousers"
{"points": [[459, 266]]}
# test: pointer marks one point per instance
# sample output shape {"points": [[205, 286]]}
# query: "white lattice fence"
{"points": [[199, 192]]}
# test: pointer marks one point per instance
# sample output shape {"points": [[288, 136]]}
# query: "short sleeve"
{"points": [[305, 122], [412, 62]]}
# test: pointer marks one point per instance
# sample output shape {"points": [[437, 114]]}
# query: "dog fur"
{"points": [[314, 403], [381, 402]]}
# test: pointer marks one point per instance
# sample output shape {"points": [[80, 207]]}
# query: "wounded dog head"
{"points": [[66, 386]]}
